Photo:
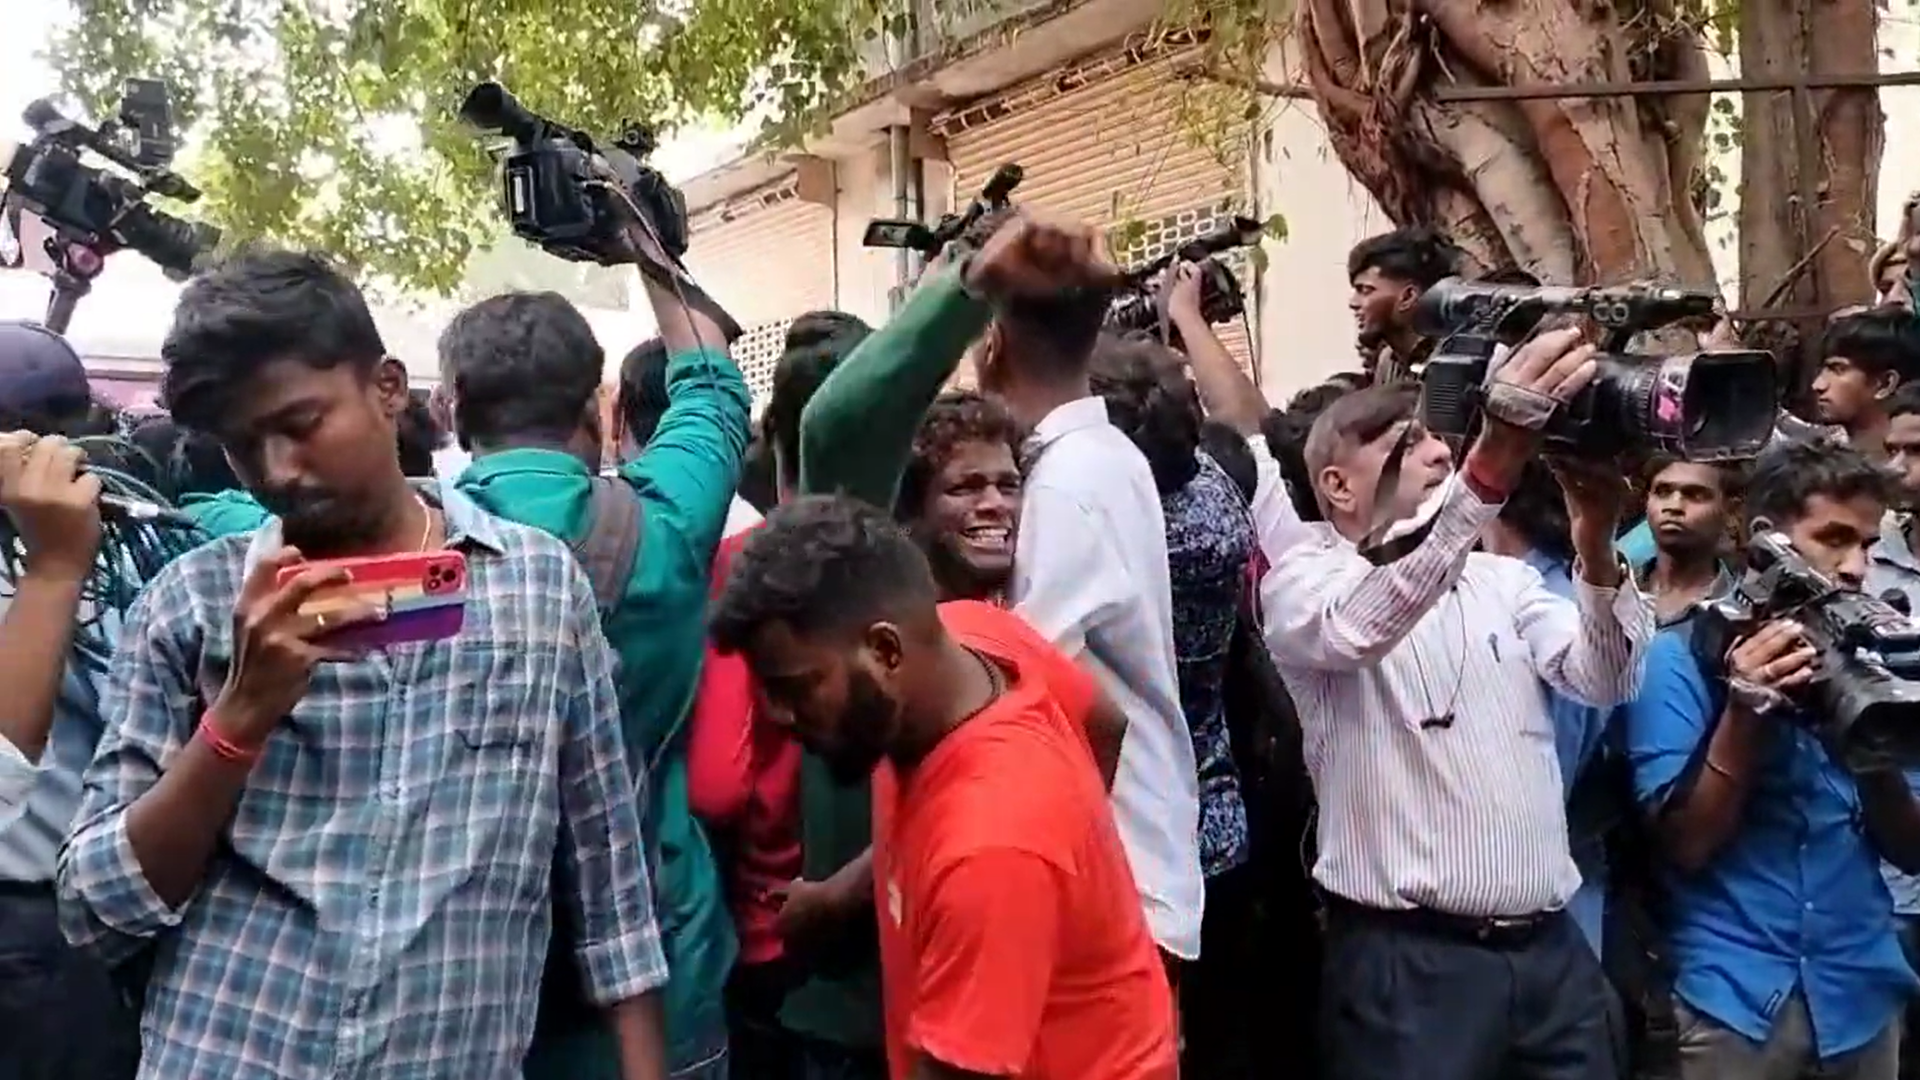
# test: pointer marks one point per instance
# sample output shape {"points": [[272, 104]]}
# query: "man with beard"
{"points": [[343, 861], [960, 498], [1865, 356], [856, 436], [1388, 273], [1688, 507], [1011, 943]]}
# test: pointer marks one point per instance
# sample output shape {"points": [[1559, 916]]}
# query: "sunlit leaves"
{"points": [[331, 123]]}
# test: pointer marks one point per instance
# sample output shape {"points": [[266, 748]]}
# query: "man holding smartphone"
{"points": [[339, 862]]}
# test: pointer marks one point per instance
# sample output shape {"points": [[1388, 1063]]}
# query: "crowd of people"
{"points": [[1066, 728]]}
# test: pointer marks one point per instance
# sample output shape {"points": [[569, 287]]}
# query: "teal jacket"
{"points": [[685, 480], [227, 513]]}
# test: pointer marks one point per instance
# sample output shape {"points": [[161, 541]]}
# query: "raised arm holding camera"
{"points": [[524, 371], [1443, 834], [1783, 943]]}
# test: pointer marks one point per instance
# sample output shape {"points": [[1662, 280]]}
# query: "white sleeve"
{"points": [[1591, 648], [1276, 522], [1326, 607], [17, 775]]}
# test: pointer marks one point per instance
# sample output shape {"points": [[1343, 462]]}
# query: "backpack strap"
{"points": [[607, 550]]}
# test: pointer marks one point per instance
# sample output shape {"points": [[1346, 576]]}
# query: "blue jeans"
{"points": [[61, 1018]]}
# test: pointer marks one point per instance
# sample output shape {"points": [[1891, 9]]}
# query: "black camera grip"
{"points": [[675, 279]]}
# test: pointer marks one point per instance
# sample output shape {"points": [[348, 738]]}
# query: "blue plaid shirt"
{"points": [[381, 903]]}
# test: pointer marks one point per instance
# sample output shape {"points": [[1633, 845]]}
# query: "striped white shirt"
{"points": [[1421, 690]]}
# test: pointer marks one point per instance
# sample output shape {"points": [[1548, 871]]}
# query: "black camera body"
{"points": [[996, 194], [103, 211], [560, 191], [553, 183], [1865, 702], [1222, 300], [1709, 406]]}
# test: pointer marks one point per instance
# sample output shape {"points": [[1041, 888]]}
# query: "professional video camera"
{"points": [[559, 189], [1221, 298], [913, 236], [1866, 698], [1712, 406], [94, 213]]}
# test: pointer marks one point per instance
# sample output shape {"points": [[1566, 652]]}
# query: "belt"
{"points": [[1493, 931], [26, 889]]}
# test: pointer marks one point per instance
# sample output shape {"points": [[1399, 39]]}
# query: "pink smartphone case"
{"points": [[425, 596]]}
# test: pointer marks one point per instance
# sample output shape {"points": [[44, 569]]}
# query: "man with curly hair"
{"points": [[960, 497]]}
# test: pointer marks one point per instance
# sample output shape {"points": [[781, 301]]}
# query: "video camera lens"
{"points": [[176, 245], [492, 107]]}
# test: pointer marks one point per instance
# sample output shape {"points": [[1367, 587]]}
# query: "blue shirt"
{"points": [[1209, 540], [1893, 566], [30, 847], [1794, 901], [1577, 734], [380, 904]]}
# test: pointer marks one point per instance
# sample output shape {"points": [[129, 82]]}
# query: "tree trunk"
{"points": [[1809, 164], [1574, 190]]}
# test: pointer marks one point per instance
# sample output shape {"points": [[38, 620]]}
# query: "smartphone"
{"points": [[424, 595]]}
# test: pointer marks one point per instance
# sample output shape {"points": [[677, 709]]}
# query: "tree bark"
{"points": [[1810, 163], [1574, 190]]}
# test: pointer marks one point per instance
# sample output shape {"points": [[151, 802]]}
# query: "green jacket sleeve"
{"points": [[856, 435], [687, 473]]}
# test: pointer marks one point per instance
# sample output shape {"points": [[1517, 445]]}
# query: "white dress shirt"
{"points": [[1090, 573], [17, 777], [1421, 696]]}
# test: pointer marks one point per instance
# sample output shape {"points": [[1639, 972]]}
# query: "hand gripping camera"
{"points": [[561, 190], [1710, 406], [1222, 300], [1865, 702], [93, 212], [913, 236]]}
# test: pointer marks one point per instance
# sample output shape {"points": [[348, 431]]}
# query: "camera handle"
{"points": [[75, 267]]}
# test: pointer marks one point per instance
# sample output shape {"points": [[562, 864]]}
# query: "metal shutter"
{"points": [[767, 257], [1106, 141]]}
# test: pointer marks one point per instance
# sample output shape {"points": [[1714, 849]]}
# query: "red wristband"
{"points": [[224, 748], [1477, 482]]}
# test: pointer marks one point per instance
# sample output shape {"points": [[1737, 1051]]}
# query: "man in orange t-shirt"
{"points": [[1012, 942]]}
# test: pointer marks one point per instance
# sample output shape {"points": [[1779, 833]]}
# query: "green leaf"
{"points": [[332, 125], [1275, 227]]}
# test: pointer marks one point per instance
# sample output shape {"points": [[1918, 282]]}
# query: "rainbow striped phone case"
{"points": [[424, 596]]}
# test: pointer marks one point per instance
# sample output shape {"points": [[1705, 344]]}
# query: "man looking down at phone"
{"points": [[339, 861]]}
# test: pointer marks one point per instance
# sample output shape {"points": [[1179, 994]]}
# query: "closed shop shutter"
{"points": [[1109, 141], [729, 252]]}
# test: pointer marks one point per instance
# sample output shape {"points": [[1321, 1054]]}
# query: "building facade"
{"points": [[1112, 125]]}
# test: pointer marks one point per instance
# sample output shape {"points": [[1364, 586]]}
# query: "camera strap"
{"points": [[677, 281], [1376, 546], [1519, 406]]}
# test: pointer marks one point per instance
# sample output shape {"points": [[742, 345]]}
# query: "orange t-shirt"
{"points": [[1011, 937]]}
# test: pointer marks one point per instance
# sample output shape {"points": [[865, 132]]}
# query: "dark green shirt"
{"points": [[856, 437], [685, 479]]}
